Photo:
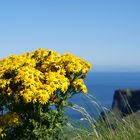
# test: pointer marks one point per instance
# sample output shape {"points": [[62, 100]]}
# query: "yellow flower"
{"points": [[11, 118], [9, 91], [37, 75], [84, 89], [43, 97], [79, 85], [27, 96], [2, 131]]}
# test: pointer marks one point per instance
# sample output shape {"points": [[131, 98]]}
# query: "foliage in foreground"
{"points": [[34, 89], [115, 128]]}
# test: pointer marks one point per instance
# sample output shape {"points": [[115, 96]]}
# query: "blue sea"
{"points": [[101, 85]]}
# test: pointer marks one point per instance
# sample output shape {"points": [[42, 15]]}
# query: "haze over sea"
{"points": [[102, 86]]}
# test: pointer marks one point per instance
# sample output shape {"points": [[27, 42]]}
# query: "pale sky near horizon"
{"points": [[104, 32]]}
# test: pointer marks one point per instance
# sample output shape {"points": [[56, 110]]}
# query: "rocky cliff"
{"points": [[126, 101]]}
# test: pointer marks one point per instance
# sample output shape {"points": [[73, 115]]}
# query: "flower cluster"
{"points": [[38, 76], [30, 84], [11, 118], [7, 120], [79, 85]]}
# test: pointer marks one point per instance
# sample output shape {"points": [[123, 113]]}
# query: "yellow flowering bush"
{"points": [[31, 83]]}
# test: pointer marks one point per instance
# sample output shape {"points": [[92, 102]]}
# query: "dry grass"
{"points": [[115, 128]]}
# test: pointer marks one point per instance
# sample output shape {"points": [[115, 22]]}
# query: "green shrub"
{"points": [[34, 89]]}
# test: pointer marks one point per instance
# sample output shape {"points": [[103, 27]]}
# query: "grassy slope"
{"points": [[127, 128]]}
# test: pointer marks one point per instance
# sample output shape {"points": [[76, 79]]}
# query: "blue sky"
{"points": [[104, 32]]}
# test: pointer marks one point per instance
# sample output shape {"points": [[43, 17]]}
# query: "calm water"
{"points": [[102, 86]]}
